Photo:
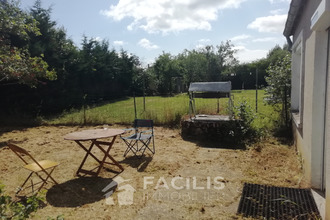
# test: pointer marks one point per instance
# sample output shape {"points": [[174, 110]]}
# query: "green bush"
{"points": [[245, 131], [279, 87], [22, 209]]}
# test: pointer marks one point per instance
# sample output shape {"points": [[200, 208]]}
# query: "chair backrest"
{"points": [[148, 123], [19, 151]]}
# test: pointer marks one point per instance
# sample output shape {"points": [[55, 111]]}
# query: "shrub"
{"points": [[245, 131], [10, 209], [279, 87]]}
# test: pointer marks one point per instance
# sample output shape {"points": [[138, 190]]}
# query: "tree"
{"points": [[221, 59], [194, 66], [279, 85], [277, 53], [245, 73], [104, 74], [129, 70], [16, 64], [165, 68], [226, 55], [213, 67], [211, 63], [61, 55]]}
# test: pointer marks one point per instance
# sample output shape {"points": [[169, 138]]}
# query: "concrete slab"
{"points": [[320, 202]]}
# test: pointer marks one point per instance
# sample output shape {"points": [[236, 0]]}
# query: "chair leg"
{"points": [[153, 142], [48, 176], [21, 187], [146, 145], [144, 149], [131, 147], [32, 186], [128, 147], [153, 145]]}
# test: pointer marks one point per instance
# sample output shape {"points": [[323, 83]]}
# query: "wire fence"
{"points": [[163, 110]]}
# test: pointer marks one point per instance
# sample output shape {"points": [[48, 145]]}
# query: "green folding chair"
{"points": [[140, 137]]}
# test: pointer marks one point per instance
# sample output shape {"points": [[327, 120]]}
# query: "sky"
{"points": [[147, 28]]}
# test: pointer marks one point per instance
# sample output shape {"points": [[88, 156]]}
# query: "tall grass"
{"points": [[164, 110]]}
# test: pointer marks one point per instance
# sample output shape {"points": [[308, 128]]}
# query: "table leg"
{"points": [[106, 154], [88, 152]]}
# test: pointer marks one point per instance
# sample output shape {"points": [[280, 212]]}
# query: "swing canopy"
{"points": [[210, 89]]}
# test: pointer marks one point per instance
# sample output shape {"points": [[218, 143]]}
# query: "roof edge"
{"points": [[293, 13]]}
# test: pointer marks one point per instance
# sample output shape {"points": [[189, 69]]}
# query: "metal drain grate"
{"points": [[272, 202]]}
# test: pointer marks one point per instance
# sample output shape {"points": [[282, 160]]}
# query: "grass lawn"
{"points": [[165, 110]]}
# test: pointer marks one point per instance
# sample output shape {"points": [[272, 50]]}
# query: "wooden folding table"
{"points": [[92, 136]]}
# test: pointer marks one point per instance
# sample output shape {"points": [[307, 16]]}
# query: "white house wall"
{"points": [[312, 133], [306, 149], [318, 106], [302, 79], [327, 143]]}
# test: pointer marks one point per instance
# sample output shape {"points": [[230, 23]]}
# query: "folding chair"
{"points": [[36, 167], [143, 134]]}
